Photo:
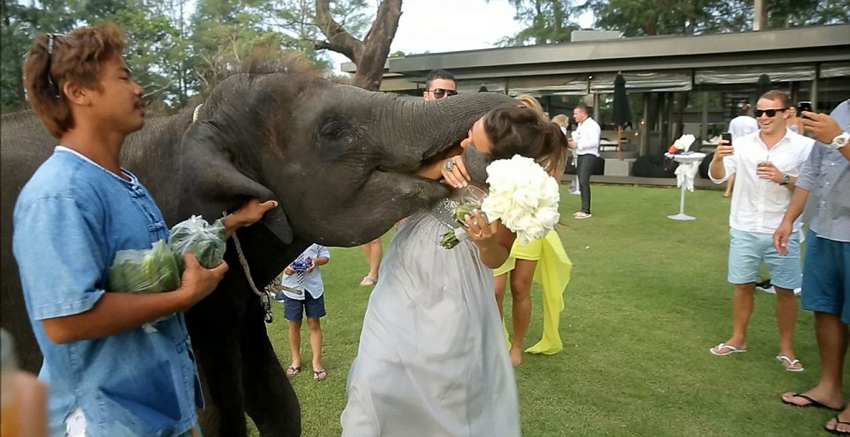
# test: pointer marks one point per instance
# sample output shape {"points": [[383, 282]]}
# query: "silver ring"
{"points": [[450, 165], [478, 235]]}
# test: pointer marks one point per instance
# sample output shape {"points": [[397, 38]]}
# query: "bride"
{"points": [[432, 359]]}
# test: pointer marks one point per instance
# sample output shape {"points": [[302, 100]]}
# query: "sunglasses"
{"points": [[51, 44], [770, 112], [440, 92]]}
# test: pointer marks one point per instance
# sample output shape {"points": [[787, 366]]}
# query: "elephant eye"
{"points": [[333, 129]]}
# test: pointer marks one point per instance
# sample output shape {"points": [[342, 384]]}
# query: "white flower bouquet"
{"points": [[522, 195]]}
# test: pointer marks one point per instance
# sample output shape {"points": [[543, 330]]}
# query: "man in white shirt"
{"points": [[743, 124], [767, 163], [585, 139], [740, 126]]}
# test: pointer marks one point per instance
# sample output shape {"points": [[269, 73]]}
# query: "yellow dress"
{"points": [[553, 275]]}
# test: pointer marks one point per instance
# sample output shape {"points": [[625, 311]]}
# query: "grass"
{"points": [[648, 298]]}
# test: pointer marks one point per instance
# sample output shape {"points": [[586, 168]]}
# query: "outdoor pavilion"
{"points": [[702, 77]]}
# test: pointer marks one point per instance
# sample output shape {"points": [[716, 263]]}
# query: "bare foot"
{"points": [[516, 356], [293, 369], [839, 424], [790, 362], [726, 194], [814, 398], [728, 348]]}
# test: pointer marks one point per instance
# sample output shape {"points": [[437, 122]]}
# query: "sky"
{"points": [[450, 25]]}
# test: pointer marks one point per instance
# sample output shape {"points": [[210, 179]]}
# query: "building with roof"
{"points": [[676, 84]]}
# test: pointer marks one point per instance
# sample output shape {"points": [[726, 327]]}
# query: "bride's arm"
{"points": [[493, 252]]}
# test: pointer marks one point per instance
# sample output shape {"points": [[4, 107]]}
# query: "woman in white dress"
{"points": [[432, 359]]}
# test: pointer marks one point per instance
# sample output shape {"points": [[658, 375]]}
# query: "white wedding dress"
{"points": [[432, 360]]}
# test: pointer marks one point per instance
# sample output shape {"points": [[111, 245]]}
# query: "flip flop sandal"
{"points": [[812, 403], [838, 422], [368, 281], [319, 375], [292, 371], [732, 350], [783, 359]]}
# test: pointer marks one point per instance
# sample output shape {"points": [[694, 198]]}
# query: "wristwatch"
{"points": [[840, 140], [785, 180]]}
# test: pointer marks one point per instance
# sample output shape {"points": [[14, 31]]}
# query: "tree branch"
{"points": [[325, 45], [339, 40]]}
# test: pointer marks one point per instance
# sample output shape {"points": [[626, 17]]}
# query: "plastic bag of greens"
{"points": [[195, 235], [145, 271]]}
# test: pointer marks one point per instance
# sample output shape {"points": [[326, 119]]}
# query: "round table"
{"points": [[684, 159]]}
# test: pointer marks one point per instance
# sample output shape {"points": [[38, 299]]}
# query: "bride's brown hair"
{"points": [[518, 130]]}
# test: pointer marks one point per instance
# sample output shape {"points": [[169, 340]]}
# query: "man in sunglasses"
{"points": [[439, 84], [767, 163]]}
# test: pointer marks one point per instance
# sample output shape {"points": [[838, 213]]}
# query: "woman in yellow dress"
{"points": [[543, 261]]}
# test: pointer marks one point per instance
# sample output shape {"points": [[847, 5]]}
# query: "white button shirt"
{"points": [[742, 126], [312, 281], [586, 136], [759, 204]]}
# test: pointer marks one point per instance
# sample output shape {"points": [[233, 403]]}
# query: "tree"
{"points": [[647, 17], [19, 25], [369, 53], [546, 22]]}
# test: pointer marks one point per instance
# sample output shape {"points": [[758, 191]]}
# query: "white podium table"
{"points": [[684, 159]]}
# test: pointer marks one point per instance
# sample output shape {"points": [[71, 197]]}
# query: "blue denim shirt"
{"points": [[826, 176], [69, 221]]}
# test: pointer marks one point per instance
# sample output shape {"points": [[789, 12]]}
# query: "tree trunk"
{"points": [[370, 55]]}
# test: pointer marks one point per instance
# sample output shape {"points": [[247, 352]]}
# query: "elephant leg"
{"points": [[214, 326], [223, 414], [270, 400]]}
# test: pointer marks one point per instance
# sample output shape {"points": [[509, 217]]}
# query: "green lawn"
{"points": [[648, 298]]}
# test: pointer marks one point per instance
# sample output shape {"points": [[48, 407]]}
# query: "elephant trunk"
{"points": [[429, 128]]}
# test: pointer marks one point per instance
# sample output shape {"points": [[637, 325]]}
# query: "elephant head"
{"points": [[340, 160]]}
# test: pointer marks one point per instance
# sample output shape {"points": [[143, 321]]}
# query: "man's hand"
{"points": [[198, 282], [822, 127], [768, 171], [454, 172], [724, 149], [248, 214], [289, 271], [572, 143], [781, 236]]}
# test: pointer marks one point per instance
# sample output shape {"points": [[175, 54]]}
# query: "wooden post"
{"points": [[760, 15], [619, 142]]}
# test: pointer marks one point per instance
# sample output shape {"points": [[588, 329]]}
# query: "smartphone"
{"points": [[726, 136], [804, 105]]}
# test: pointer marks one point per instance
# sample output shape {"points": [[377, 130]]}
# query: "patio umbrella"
{"points": [[622, 115], [763, 85]]}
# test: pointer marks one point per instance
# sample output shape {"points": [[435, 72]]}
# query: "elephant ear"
{"points": [[212, 183], [476, 163]]}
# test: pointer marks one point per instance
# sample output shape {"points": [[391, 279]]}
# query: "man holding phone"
{"points": [[766, 163], [824, 189]]}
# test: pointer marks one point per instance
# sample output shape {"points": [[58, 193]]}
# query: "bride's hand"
{"points": [[454, 172], [479, 229]]}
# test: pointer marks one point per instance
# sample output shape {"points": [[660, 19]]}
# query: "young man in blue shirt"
{"points": [[104, 371]]}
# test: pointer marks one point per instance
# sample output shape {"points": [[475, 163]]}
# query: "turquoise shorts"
{"points": [[747, 250], [826, 278]]}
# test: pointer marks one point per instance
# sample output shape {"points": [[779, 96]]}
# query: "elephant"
{"points": [[339, 160]]}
